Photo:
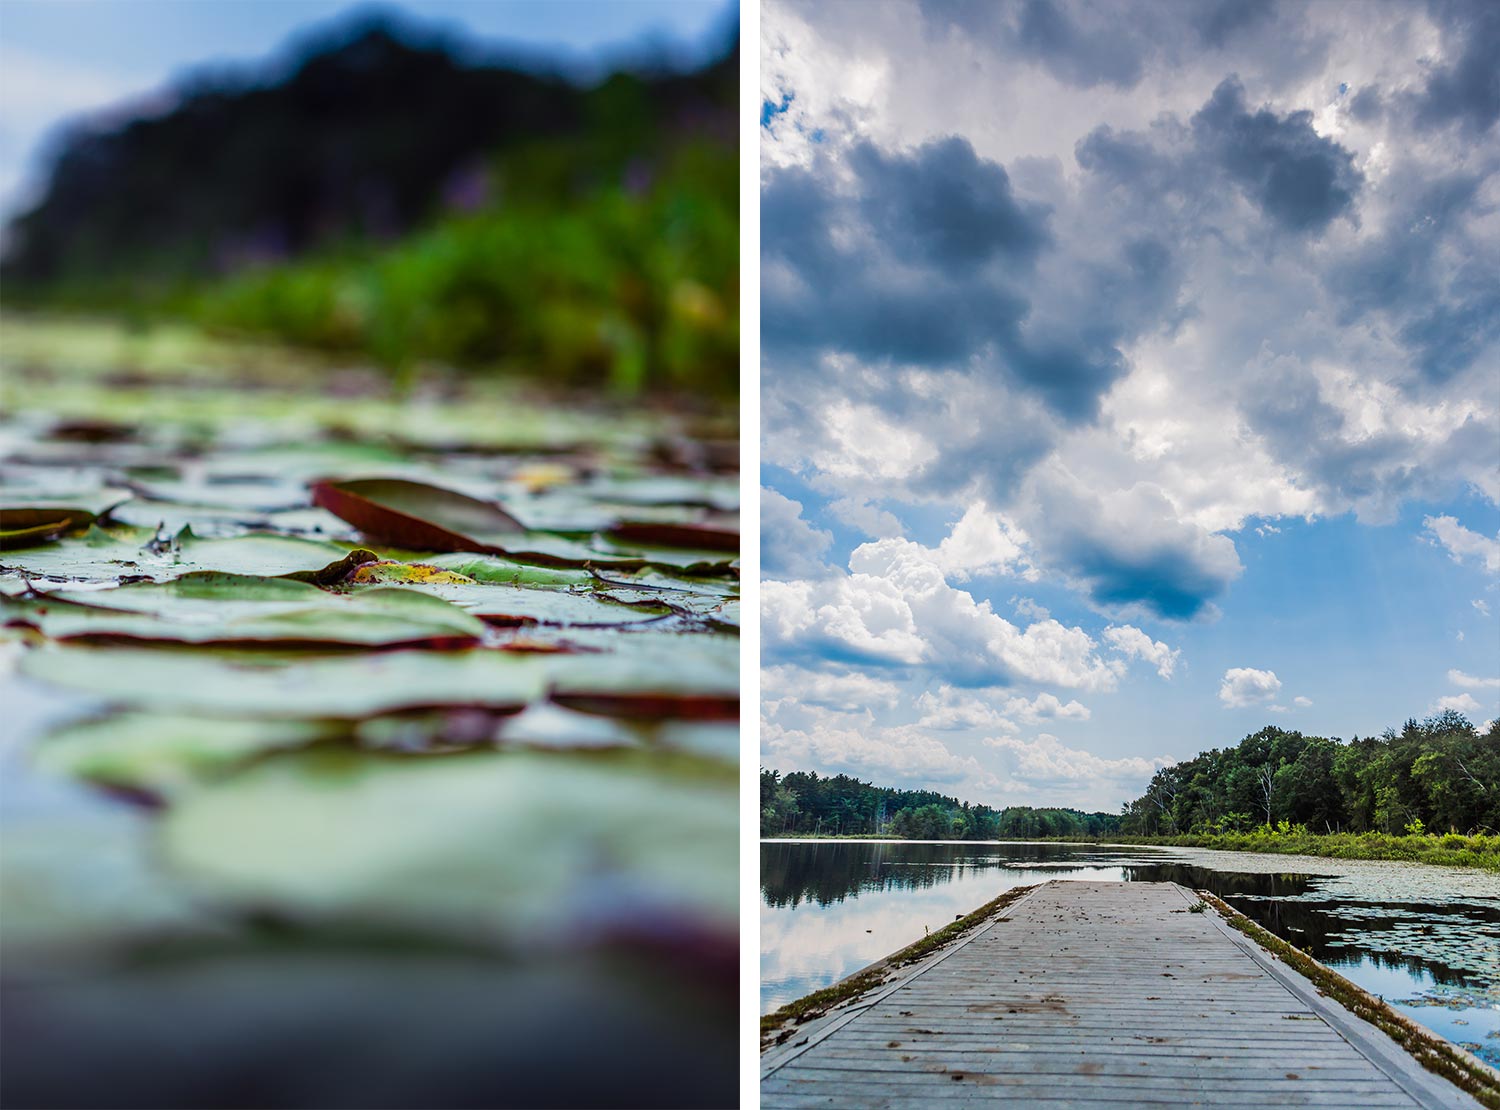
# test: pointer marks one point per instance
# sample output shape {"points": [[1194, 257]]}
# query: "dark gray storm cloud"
{"points": [[1425, 278], [1300, 180], [1079, 55], [1091, 45], [1217, 22], [1466, 90], [1296, 176], [927, 258], [945, 205]]}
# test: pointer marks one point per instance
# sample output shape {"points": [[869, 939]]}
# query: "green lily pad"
{"points": [[208, 608], [106, 554], [164, 753], [512, 843], [266, 687], [567, 778], [491, 568], [515, 606], [39, 515]]}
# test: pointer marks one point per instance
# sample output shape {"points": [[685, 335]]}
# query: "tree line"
{"points": [[1436, 775], [1440, 774], [803, 804]]}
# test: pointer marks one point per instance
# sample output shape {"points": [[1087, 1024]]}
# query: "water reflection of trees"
{"points": [[1321, 928], [824, 873]]}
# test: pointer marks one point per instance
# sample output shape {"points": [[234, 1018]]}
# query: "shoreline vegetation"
{"points": [[395, 200], [1447, 850], [1429, 793]]}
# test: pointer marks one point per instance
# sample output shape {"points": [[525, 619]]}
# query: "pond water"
{"points": [[1426, 939]]}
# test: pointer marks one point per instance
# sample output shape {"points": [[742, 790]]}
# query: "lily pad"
{"points": [[694, 537], [420, 574], [26, 527], [518, 607], [276, 755], [42, 513], [162, 753], [266, 687], [452, 842], [107, 554], [490, 568], [208, 608], [414, 515]]}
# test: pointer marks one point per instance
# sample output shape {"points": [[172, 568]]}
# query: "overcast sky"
{"points": [[62, 57], [1131, 381]]}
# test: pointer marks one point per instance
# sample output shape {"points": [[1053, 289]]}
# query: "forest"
{"points": [[1438, 775], [1435, 775], [803, 804]]}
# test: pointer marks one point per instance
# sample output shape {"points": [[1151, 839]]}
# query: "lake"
{"points": [[1424, 938]]}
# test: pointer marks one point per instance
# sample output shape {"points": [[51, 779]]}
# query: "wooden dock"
{"points": [[1095, 994]]}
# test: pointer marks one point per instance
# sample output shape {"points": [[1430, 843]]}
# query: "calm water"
{"points": [[1427, 939]]}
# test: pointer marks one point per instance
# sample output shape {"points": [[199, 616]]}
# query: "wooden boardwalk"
{"points": [[1094, 994]]}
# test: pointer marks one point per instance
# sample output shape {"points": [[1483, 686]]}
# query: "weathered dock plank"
{"points": [[1095, 995]]}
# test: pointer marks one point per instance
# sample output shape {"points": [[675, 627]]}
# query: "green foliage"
{"points": [[1437, 775], [1430, 794], [389, 200], [801, 803], [634, 290], [1451, 850]]}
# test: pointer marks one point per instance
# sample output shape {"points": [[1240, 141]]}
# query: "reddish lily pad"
{"points": [[695, 537], [651, 707], [27, 527], [415, 515]]}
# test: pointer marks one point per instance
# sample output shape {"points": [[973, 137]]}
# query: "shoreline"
{"points": [[1480, 853]]}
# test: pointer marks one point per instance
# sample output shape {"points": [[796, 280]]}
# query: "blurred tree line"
{"points": [[391, 194], [801, 803], [1436, 775]]}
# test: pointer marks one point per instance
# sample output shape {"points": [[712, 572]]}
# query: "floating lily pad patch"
{"points": [[459, 668]]}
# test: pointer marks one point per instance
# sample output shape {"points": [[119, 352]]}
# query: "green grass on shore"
{"points": [[1447, 849]]}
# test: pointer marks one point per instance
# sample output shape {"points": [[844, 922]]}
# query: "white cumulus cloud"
{"points": [[1132, 643], [1244, 686], [1463, 703], [1463, 544], [1473, 682]]}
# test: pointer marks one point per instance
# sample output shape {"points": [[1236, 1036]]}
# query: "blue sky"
{"points": [[1131, 380], [62, 57]]}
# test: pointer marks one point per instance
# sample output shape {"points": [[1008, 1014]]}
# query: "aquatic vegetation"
{"points": [[298, 684]]}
